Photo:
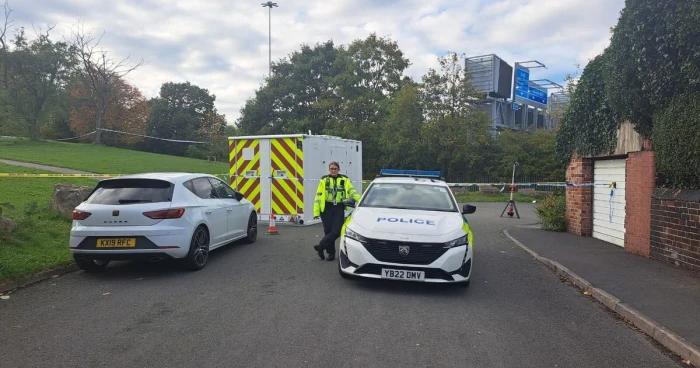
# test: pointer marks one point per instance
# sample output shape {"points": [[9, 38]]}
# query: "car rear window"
{"points": [[129, 191]]}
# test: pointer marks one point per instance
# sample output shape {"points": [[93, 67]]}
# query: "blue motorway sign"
{"points": [[526, 90], [522, 81], [537, 94]]}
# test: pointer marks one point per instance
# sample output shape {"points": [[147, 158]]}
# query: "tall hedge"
{"points": [[676, 140], [654, 55], [588, 126]]}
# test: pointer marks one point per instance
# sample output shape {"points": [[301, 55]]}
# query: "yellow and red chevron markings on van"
{"points": [[287, 162], [244, 159]]}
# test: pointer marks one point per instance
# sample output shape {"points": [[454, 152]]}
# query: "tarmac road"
{"points": [[275, 304]]}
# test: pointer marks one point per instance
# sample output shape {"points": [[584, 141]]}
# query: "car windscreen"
{"points": [[409, 196], [129, 191]]}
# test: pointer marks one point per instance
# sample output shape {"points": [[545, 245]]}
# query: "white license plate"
{"points": [[388, 273]]}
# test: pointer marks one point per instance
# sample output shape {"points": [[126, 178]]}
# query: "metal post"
{"points": [[269, 41], [512, 181], [269, 5]]}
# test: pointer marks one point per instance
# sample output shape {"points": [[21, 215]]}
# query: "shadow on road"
{"points": [[163, 268]]}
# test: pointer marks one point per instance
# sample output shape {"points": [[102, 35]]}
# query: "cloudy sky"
{"points": [[222, 45]]}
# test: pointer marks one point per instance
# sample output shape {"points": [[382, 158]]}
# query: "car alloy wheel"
{"points": [[199, 249], [252, 229]]}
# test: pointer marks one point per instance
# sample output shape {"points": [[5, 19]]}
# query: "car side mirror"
{"points": [[238, 196], [468, 208]]}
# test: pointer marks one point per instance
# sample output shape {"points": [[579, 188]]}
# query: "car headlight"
{"points": [[462, 240], [355, 236]]}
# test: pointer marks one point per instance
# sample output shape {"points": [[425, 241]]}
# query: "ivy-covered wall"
{"points": [[589, 126], [650, 76]]}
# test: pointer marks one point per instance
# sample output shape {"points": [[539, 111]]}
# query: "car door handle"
{"points": [[207, 212], [229, 210]]}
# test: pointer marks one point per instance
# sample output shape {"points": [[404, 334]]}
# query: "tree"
{"points": [[37, 73], [370, 73], [126, 111], [299, 96], [533, 151], [4, 45], [402, 135], [460, 143], [183, 111], [447, 91], [101, 73]]}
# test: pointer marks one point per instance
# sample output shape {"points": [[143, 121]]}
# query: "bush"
{"points": [[552, 212], [676, 140]]}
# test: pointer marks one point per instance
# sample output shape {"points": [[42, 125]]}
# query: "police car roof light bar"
{"points": [[434, 174]]}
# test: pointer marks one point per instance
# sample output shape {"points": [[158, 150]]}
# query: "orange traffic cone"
{"points": [[272, 228]]}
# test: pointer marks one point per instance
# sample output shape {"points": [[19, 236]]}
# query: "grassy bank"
{"points": [[102, 159], [41, 238], [469, 197]]}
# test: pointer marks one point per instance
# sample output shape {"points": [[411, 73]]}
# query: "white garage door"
{"points": [[609, 201]]}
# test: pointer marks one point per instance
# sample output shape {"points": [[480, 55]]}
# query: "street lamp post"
{"points": [[269, 5]]}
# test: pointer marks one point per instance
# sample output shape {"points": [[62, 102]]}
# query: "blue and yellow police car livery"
{"points": [[408, 226]]}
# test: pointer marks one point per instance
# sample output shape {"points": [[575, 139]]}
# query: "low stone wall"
{"points": [[675, 227]]}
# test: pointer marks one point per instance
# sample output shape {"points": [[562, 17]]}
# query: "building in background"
{"points": [[513, 100]]}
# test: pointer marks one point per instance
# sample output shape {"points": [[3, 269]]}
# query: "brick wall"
{"points": [[675, 227], [579, 200], [639, 186]]}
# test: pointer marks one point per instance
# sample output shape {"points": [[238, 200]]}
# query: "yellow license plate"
{"points": [[116, 243]]}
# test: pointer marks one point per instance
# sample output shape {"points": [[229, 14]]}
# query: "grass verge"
{"points": [[102, 159], [41, 239], [495, 197]]}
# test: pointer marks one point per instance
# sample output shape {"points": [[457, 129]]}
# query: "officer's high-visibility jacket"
{"points": [[333, 190]]}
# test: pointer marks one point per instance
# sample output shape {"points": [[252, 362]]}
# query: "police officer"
{"points": [[334, 191]]}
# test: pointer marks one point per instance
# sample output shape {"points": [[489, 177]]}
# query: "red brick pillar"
{"points": [[579, 199], [639, 186]]}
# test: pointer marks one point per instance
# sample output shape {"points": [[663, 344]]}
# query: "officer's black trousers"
{"points": [[332, 217]]}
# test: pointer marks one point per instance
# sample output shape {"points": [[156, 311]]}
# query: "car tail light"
{"points": [[171, 213], [80, 215]]}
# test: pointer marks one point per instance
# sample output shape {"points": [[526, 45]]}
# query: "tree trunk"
{"points": [[34, 128], [98, 127]]}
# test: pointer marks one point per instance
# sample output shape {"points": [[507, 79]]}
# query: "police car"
{"points": [[408, 226]]}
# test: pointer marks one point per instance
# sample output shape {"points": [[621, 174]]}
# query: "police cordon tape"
{"points": [[56, 175], [61, 175], [501, 184]]}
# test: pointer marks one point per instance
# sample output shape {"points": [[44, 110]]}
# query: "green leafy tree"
{"points": [[299, 96], [402, 141], [447, 91], [460, 143], [533, 151], [181, 112], [38, 72]]}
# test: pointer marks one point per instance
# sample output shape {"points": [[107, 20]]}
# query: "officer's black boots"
{"points": [[330, 257], [319, 250]]}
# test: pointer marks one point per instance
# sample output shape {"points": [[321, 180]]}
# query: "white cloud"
{"points": [[222, 45]]}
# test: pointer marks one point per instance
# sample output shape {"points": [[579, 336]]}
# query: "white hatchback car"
{"points": [[407, 226], [159, 215]]}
